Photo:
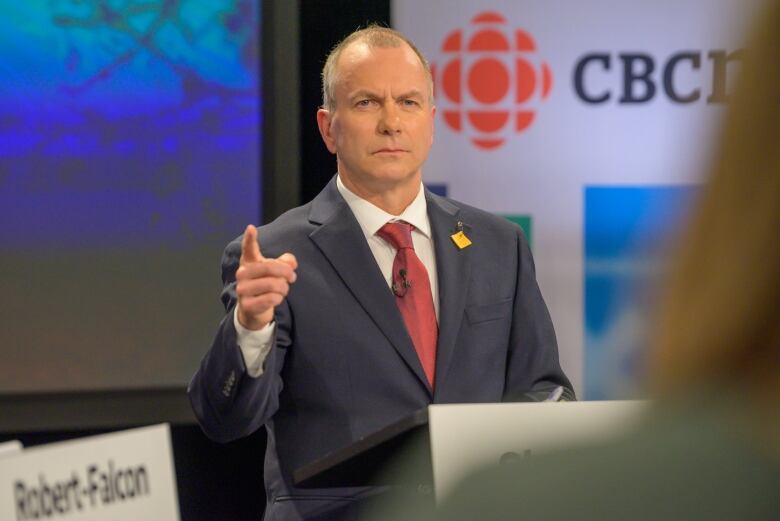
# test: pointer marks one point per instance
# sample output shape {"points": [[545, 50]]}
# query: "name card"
{"points": [[122, 476], [10, 447]]}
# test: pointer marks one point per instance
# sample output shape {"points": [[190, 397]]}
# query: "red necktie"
{"points": [[412, 289]]}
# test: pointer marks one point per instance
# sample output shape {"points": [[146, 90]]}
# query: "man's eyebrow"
{"points": [[363, 93], [414, 93]]}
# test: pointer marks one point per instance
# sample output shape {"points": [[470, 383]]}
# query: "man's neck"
{"points": [[392, 199]]}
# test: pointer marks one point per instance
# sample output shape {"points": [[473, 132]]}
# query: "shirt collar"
{"points": [[371, 218]]}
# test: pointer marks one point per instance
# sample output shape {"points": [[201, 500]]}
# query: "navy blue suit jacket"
{"points": [[343, 365]]}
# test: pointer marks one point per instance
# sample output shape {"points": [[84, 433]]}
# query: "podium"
{"points": [[446, 442], [361, 463]]}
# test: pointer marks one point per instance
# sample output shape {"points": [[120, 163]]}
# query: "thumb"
{"points": [[250, 248], [290, 260]]}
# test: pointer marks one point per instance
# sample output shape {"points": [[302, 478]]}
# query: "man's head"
{"points": [[377, 114]]}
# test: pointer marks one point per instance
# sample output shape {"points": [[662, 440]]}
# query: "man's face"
{"points": [[382, 127]]}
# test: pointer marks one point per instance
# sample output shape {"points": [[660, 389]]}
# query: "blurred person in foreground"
{"points": [[711, 450]]}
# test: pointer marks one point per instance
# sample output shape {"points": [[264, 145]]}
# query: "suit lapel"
{"points": [[341, 241], [453, 267]]}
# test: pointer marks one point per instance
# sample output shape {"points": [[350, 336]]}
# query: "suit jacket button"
{"points": [[227, 387]]}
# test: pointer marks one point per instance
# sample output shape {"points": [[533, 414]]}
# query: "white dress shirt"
{"points": [[255, 345]]}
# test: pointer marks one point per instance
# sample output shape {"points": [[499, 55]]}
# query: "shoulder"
{"points": [[288, 229], [284, 233]]}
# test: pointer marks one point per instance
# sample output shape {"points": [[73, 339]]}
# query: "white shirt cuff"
{"points": [[255, 345]]}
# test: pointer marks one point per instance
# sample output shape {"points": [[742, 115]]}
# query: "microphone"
{"points": [[401, 290]]}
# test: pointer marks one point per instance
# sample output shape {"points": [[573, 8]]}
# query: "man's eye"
{"points": [[363, 103], [410, 103]]}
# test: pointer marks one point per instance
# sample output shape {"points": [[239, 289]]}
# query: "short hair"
{"points": [[375, 36]]}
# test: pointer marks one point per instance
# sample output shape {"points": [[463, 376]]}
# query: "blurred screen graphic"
{"points": [[629, 232], [129, 155]]}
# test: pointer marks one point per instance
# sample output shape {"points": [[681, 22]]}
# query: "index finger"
{"points": [[250, 248]]}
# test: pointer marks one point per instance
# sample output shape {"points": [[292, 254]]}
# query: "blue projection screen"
{"points": [[129, 156]]}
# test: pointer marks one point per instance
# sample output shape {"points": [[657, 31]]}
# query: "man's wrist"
{"points": [[254, 345]]}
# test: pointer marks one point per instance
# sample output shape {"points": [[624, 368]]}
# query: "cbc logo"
{"points": [[490, 80]]}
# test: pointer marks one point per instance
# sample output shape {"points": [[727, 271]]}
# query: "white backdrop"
{"points": [[571, 163]]}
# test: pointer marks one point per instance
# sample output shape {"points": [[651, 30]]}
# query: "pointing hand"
{"points": [[261, 284]]}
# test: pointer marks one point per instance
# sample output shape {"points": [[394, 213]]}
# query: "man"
{"points": [[345, 323]]}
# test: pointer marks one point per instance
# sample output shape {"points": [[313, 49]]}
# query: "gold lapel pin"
{"points": [[459, 238]]}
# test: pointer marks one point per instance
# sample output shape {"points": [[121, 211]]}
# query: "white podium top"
{"points": [[465, 437]]}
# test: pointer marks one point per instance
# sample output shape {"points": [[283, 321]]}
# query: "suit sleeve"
{"points": [[227, 401], [533, 367]]}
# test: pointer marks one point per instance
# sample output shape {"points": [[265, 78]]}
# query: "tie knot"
{"points": [[398, 233]]}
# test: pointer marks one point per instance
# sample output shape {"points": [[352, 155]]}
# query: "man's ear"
{"points": [[324, 118]]}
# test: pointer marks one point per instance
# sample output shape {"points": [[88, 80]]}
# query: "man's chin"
{"points": [[394, 176], [384, 175]]}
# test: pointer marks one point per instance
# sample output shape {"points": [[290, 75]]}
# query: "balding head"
{"points": [[373, 36]]}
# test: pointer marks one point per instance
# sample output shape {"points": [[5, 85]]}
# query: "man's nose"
{"points": [[390, 119]]}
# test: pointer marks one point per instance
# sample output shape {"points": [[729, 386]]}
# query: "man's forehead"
{"points": [[360, 51], [350, 66], [354, 52]]}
